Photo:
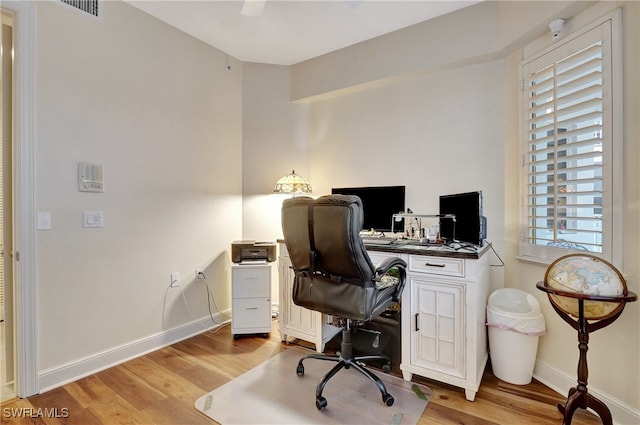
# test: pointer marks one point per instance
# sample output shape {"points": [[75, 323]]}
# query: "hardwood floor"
{"points": [[161, 387]]}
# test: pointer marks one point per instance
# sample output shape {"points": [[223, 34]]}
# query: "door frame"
{"points": [[24, 221]]}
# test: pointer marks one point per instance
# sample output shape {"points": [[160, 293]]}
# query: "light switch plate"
{"points": [[44, 220], [93, 219]]}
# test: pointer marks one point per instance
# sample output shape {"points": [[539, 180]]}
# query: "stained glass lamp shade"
{"points": [[292, 183]]}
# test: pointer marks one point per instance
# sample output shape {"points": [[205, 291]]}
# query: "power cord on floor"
{"points": [[210, 299]]}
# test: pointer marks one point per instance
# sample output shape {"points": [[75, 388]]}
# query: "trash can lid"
{"points": [[531, 325], [513, 302]]}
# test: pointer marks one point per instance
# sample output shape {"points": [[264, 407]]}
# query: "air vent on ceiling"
{"points": [[92, 7]]}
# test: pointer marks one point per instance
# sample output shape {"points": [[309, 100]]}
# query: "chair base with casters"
{"points": [[346, 360]]}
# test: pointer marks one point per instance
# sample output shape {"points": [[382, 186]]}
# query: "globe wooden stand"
{"points": [[579, 396]]}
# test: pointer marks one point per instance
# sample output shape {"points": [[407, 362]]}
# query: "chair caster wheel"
{"points": [[387, 399], [321, 402], [386, 368], [300, 369]]}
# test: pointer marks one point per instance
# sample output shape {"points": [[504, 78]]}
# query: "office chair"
{"points": [[334, 275]]}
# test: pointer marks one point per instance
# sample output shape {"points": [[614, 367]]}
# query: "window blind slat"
{"points": [[591, 78], [580, 97], [584, 118], [577, 111], [591, 67]]}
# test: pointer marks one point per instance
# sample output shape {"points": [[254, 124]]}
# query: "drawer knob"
{"points": [[434, 265]]}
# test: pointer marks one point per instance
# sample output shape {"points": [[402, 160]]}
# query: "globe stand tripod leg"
{"points": [[582, 399], [579, 396]]}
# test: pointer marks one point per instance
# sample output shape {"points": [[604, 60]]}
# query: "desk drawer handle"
{"points": [[417, 317], [434, 265], [251, 308]]}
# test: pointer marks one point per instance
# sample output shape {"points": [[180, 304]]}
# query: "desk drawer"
{"points": [[436, 265]]}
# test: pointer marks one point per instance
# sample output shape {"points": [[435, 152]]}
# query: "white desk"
{"points": [[295, 321], [443, 329], [443, 316]]}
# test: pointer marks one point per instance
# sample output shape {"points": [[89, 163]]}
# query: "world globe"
{"points": [[586, 275], [594, 293]]}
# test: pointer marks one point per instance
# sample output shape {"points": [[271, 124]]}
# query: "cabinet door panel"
{"points": [[296, 318], [438, 340]]}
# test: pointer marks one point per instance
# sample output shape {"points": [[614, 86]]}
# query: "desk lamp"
{"points": [[292, 183]]}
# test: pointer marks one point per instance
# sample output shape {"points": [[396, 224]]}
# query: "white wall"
{"points": [[160, 112], [436, 134], [275, 137], [275, 142]]}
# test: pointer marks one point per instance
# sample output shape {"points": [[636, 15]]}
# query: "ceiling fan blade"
{"points": [[253, 7]]}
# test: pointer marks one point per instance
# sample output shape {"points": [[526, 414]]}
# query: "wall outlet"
{"points": [[175, 279], [199, 274]]}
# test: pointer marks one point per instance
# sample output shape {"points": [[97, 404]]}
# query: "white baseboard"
{"points": [[60, 375], [622, 413]]}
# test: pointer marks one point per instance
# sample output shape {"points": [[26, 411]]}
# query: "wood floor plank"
{"points": [[117, 411], [88, 390], [440, 414], [173, 359], [58, 404], [174, 411], [158, 377], [130, 387], [103, 403]]}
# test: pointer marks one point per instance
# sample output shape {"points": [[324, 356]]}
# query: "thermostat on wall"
{"points": [[90, 177]]}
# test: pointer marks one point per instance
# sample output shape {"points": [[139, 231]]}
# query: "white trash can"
{"points": [[515, 324]]}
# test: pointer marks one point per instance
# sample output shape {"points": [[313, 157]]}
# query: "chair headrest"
{"points": [[329, 227]]}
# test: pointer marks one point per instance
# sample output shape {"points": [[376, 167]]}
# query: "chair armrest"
{"points": [[383, 267]]}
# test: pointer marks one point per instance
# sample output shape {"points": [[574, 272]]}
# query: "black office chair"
{"points": [[334, 275]]}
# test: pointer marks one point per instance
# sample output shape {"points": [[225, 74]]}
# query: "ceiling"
{"points": [[288, 32]]}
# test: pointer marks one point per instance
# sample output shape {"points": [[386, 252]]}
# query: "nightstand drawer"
{"points": [[436, 265]]}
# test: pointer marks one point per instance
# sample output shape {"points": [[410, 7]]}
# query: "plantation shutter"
{"points": [[568, 132]]}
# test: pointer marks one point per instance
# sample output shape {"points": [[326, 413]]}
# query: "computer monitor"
{"points": [[469, 224], [379, 204]]}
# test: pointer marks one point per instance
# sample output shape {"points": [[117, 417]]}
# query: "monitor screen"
{"points": [[379, 204], [467, 208]]}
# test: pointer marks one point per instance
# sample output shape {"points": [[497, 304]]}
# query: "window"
{"points": [[572, 148]]}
